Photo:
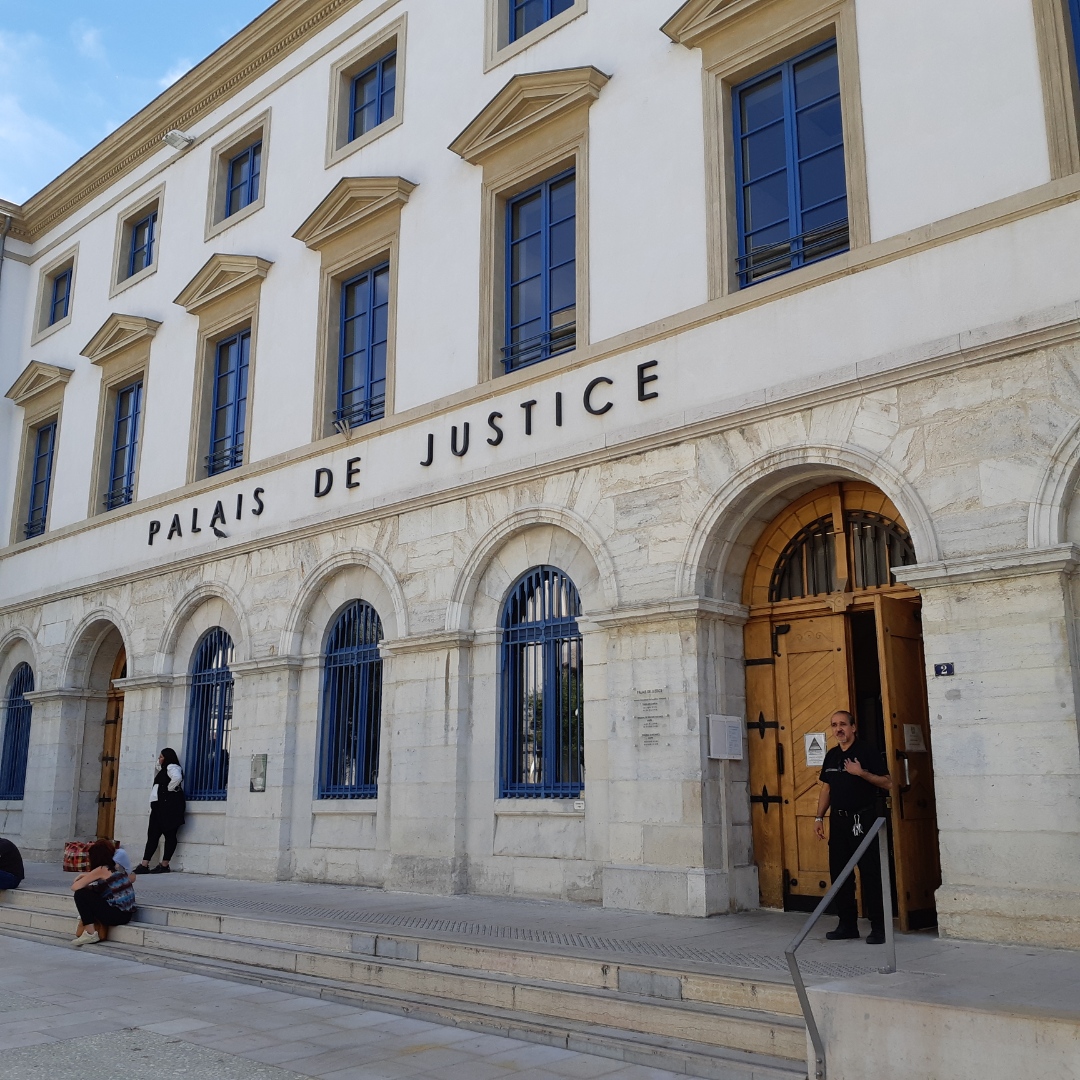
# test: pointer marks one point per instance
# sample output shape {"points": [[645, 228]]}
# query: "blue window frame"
{"points": [[351, 706], [210, 718], [141, 254], [541, 701], [243, 179], [526, 15], [60, 296], [125, 446], [16, 733], [40, 479], [789, 166], [541, 272], [229, 404], [373, 96], [365, 309]]}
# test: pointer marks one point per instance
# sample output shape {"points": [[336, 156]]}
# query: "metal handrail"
{"points": [[878, 830]]}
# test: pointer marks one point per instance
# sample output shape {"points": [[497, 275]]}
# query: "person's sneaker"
{"points": [[138, 868], [161, 869], [87, 939], [843, 933], [875, 937]]}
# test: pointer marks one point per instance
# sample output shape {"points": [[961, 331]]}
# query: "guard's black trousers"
{"points": [[843, 840]]}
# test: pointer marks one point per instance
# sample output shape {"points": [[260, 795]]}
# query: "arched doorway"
{"points": [[110, 750], [829, 629]]}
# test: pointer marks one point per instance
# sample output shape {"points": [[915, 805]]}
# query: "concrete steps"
{"points": [[722, 1026]]}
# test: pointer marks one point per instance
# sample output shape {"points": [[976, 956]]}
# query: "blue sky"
{"points": [[70, 73]]}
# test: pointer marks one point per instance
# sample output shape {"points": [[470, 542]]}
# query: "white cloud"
{"points": [[30, 149], [181, 67], [88, 41]]}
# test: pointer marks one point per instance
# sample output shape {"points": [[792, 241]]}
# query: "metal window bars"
{"points": [[351, 706], [210, 718], [877, 545], [779, 257], [541, 346], [806, 566], [361, 412], [230, 457], [16, 734], [542, 701]]}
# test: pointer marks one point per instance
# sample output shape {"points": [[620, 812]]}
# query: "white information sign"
{"points": [[913, 738], [816, 743], [726, 738]]}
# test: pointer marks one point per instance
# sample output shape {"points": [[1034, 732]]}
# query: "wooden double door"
{"points": [[110, 750]]}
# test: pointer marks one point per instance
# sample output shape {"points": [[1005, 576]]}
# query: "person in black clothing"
{"points": [[167, 806], [853, 780], [11, 867]]}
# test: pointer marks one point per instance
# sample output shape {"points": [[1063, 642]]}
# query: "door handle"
{"points": [[783, 628], [779, 759]]}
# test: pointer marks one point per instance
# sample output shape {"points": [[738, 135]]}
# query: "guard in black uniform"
{"points": [[854, 779]]}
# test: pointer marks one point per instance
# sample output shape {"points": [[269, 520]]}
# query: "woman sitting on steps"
{"points": [[105, 896]]}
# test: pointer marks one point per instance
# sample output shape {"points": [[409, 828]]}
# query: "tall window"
{"points": [[242, 182], [210, 719], [789, 166], [541, 707], [229, 404], [526, 15], [351, 706], [44, 444], [373, 93], [141, 254], [365, 306], [16, 734], [541, 272], [60, 296], [125, 446]]}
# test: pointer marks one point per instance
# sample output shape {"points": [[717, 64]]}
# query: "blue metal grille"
{"points": [[365, 306], [40, 480], [60, 297], [16, 734], [373, 94], [541, 707], [351, 706], [142, 243], [541, 272], [230, 404], [527, 15], [125, 446], [210, 719], [789, 166], [243, 179]]}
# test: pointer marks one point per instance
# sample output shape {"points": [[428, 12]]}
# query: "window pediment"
{"points": [[117, 334], [36, 380], [524, 104], [353, 201], [222, 275], [697, 19]]}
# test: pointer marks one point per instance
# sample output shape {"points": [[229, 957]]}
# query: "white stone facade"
{"points": [[939, 359]]}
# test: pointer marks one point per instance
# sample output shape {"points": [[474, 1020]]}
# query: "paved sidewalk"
{"points": [[80, 1014]]}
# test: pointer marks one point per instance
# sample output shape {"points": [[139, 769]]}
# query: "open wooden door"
{"points": [[811, 684], [110, 751], [907, 740]]}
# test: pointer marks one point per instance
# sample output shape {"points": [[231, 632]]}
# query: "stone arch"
{"points": [[532, 536], [86, 666], [207, 605], [18, 646], [353, 575], [1051, 506], [717, 552]]}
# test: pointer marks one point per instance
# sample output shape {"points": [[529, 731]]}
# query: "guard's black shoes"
{"points": [[843, 933], [875, 937]]}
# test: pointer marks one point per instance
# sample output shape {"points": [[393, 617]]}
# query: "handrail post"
{"points": [[886, 898]]}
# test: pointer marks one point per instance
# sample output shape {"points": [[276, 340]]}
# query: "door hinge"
{"points": [[765, 798], [760, 724]]}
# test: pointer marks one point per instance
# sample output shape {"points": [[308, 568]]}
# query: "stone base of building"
{"points": [[680, 890], [1029, 916]]}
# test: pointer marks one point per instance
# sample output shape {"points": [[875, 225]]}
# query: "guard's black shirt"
{"points": [[10, 859], [846, 790]]}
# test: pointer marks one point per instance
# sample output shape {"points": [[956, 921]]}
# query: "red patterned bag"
{"points": [[77, 856]]}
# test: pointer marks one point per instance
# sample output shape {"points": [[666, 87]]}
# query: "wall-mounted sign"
{"points": [[913, 739], [944, 669], [815, 744], [650, 716], [726, 738], [258, 772]]}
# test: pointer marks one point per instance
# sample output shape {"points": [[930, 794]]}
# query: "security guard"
{"points": [[853, 778]]}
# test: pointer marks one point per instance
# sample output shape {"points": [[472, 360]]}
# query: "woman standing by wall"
{"points": [[167, 804]]}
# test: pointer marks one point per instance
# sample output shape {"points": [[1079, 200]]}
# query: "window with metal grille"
{"points": [[229, 404], [351, 706], [242, 181], [125, 446], [210, 719], [807, 566], [541, 272], [141, 254], [790, 176], [542, 742], [41, 467], [16, 733], [373, 96], [877, 545], [526, 15], [365, 308], [60, 296]]}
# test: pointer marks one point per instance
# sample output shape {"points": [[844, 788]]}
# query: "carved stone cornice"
{"points": [[997, 566], [37, 378], [683, 607], [353, 201], [442, 639], [524, 104], [267, 664], [221, 275], [698, 19], [147, 682], [117, 333]]}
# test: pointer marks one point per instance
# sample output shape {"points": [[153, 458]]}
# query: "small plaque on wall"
{"points": [[726, 738], [258, 772]]}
